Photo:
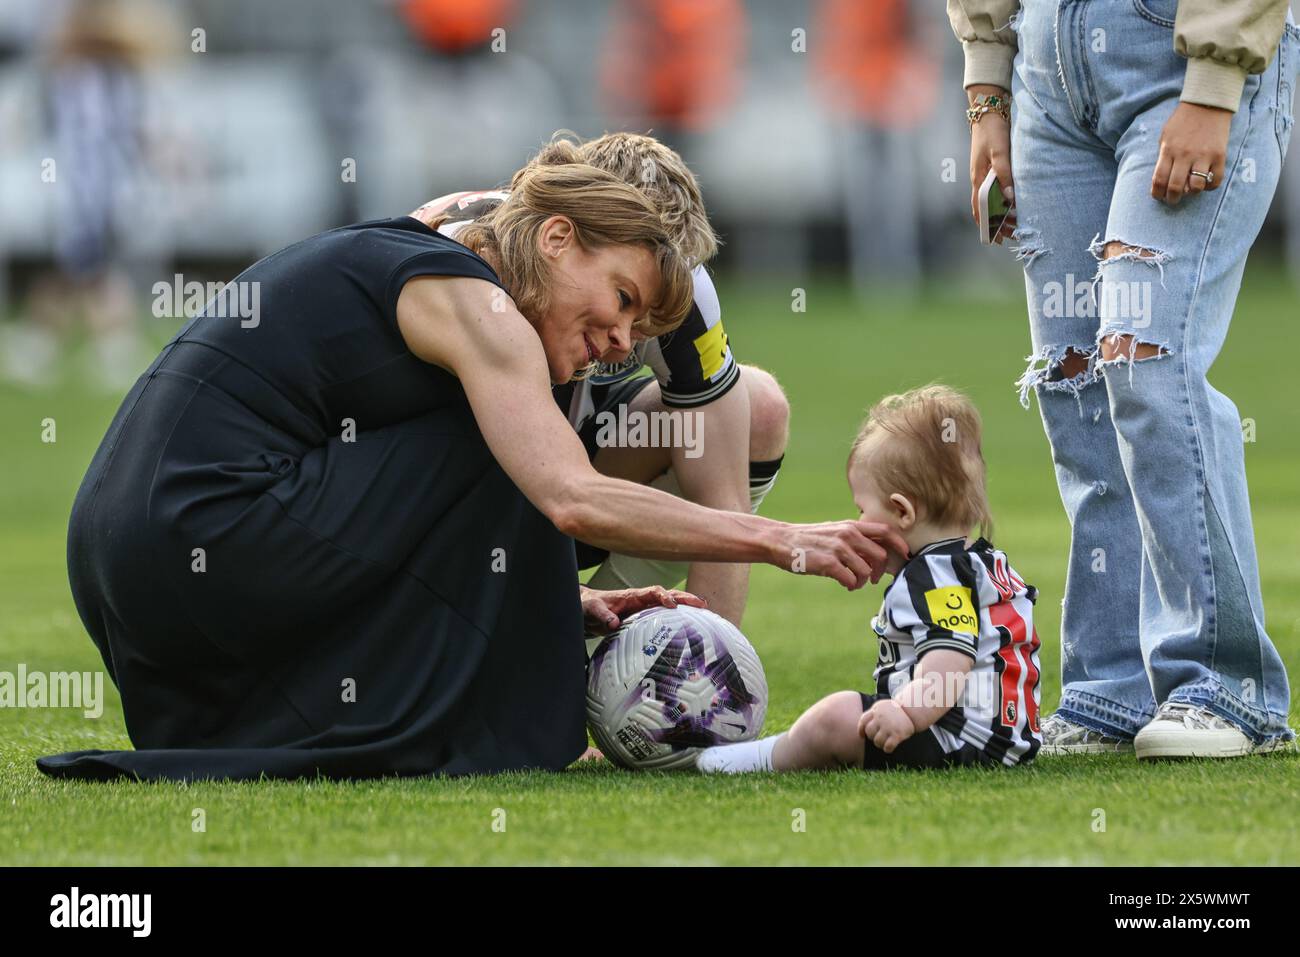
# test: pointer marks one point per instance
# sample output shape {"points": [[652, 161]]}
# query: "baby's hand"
{"points": [[886, 725]]}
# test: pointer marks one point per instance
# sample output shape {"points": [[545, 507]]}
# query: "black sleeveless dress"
{"points": [[298, 557]]}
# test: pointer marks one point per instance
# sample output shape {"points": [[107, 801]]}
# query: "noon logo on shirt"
{"points": [[951, 607]]}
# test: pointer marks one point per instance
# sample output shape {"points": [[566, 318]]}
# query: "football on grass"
{"points": [[669, 682]]}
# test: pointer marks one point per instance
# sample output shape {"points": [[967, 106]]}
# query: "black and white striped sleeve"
{"points": [[939, 604], [694, 363]]}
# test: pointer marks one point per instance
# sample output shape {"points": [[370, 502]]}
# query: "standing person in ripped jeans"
{"points": [[1146, 137]]}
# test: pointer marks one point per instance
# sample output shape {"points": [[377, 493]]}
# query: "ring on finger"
{"points": [[1208, 175]]}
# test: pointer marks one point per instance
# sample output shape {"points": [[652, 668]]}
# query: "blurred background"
{"points": [[140, 138]]}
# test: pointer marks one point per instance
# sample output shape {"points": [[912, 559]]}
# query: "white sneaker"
{"points": [[1065, 737], [1181, 730]]}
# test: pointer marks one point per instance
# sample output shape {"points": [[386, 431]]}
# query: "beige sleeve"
{"points": [[986, 38], [1223, 42]]}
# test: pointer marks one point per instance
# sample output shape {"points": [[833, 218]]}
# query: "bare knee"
{"points": [[1116, 250], [1074, 363], [1121, 346], [769, 414]]}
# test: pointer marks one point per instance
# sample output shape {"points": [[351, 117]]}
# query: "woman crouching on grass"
{"points": [[956, 679], [338, 540]]}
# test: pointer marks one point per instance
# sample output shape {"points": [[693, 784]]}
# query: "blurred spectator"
{"points": [[456, 26], [673, 64], [465, 113], [96, 59], [879, 72]]}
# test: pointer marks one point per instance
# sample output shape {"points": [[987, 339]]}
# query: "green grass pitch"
{"points": [[834, 359]]}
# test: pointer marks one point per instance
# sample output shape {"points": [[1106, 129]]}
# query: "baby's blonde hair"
{"points": [[925, 444], [604, 210]]}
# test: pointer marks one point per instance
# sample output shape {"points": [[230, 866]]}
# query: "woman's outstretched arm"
{"points": [[467, 327]]}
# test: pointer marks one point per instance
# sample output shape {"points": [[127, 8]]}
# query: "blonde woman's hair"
{"points": [[604, 210], [925, 444]]}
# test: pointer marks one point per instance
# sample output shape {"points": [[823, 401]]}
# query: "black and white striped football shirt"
{"points": [[970, 600]]}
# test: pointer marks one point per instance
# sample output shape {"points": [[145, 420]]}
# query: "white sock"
{"points": [[738, 758], [759, 487]]}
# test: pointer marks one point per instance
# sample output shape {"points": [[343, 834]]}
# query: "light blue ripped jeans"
{"points": [[1162, 596]]}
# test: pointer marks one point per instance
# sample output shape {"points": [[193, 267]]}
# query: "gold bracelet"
{"points": [[989, 103]]}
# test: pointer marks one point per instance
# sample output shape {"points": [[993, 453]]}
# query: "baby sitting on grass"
{"points": [[957, 673]]}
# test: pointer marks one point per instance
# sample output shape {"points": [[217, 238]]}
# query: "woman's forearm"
{"points": [[634, 519], [503, 369], [638, 520]]}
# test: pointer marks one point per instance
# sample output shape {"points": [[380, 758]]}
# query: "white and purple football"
{"points": [[669, 682]]}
